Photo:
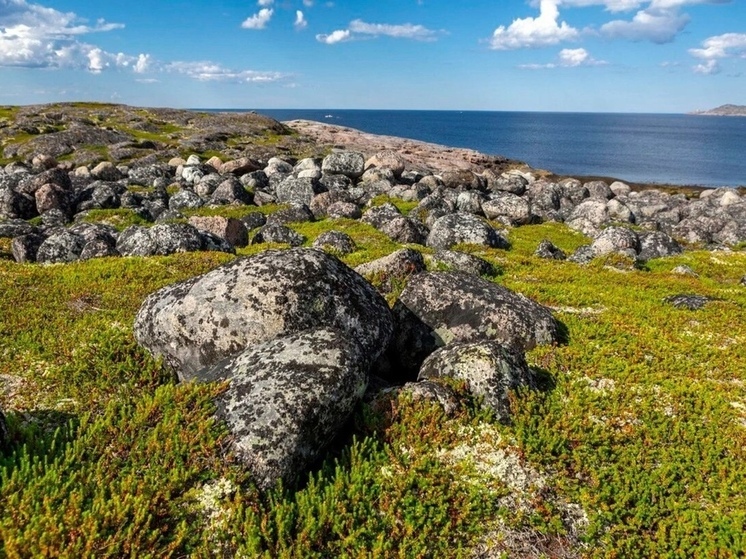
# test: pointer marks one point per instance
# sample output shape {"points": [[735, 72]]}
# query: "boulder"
{"points": [[453, 229], [320, 203], [616, 240], [278, 233], [63, 246], [508, 209], [424, 390], [657, 244], [458, 261], [231, 192], [688, 301], [387, 159], [106, 171], [490, 369], [438, 308], [240, 166], [344, 210], [232, 230], [254, 220], [293, 190], [348, 163], [161, 239], [185, 200], [295, 213], [196, 323], [398, 265], [288, 398], [335, 242], [599, 190], [405, 231], [52, 197], [10, 228], [546, 249], [26, 247]]}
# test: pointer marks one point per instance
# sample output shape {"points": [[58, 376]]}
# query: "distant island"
{"points": [[724, 110]]}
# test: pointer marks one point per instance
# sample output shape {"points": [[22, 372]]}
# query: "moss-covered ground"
{"points": [[640, 428]]}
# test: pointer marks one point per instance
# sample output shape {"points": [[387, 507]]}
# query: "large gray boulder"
{"points": [[616, 240], [161, 239], [294, 190], [508, 209], [438, 308], [657, 244], [63, 246], [288, 398], [490, 369], [456, 228], [348, 163], [196, 323]]}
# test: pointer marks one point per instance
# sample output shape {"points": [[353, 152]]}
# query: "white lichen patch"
{"points": [[599, 385], [580, 311], [210, 501]]}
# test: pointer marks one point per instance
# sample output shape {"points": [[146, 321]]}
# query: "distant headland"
{"points": [[724, 110]]}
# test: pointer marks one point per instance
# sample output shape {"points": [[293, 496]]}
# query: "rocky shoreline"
{"points": [[311, 331]]}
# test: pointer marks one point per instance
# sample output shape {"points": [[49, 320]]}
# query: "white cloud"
{"points": [[338, 36], [258, 20], [308, 3], [358, 28], [300, 20], [210, 71], [35, 36], [568, 58], [657, 26], [534, 32], [265, 3], [714, 49], [405, 31]]}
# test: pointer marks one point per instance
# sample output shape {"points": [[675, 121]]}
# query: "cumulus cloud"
{"points": [[300, 20], [714, 49], [265, 3], [360, 28], [530, 32], [338, 36], [35, 36], [659, 21], [258, 20], [568, 58], [206, 71]]}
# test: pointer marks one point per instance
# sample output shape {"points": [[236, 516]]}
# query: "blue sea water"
{"points": [[649, 148]]}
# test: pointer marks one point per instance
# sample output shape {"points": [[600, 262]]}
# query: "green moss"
{"points": [[119, 218]]}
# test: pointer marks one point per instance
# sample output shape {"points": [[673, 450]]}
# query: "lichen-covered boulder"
{"points": [[508, 209], [490, 369], [26, 247], [231, 192], [657, 244], [196, 323], [288, 398], [453, 229], [463, 262], [387, 159], [348, 163], [63, 246], [185, 199], [546, 249], [161, 239], [439, 308], [336, 242], [294, 190], [278, 233], [398, 265], [616, 240]]}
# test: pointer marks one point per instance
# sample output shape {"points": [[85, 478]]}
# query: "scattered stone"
{"points": [[348, 163], [684, 270], [26, 247], [657, 244], [546, 249], [398, 265], [490, 369], [336, 242], [278, 233], [232, 230], [688, 301], [458, 261], [458, 228]]}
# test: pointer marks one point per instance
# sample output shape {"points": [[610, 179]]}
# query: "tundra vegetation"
{"points": [[634, 445]]}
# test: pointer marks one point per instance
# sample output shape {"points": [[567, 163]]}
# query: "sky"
{"points": [[665, 56]]}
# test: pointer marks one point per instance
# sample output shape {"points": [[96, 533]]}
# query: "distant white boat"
{"points": [[328, 116]]}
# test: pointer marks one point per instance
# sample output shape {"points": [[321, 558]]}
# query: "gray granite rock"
{"points": [[348, 163], [458, 261], [490, 369], [438, 308], [457, 228], [336, 242], [196, 323], [288, 398]]}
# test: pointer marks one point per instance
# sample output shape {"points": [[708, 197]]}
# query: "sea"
{"points": [[672, 149]]}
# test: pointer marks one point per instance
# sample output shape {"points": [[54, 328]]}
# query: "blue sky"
{"points": [[533, 55]]}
